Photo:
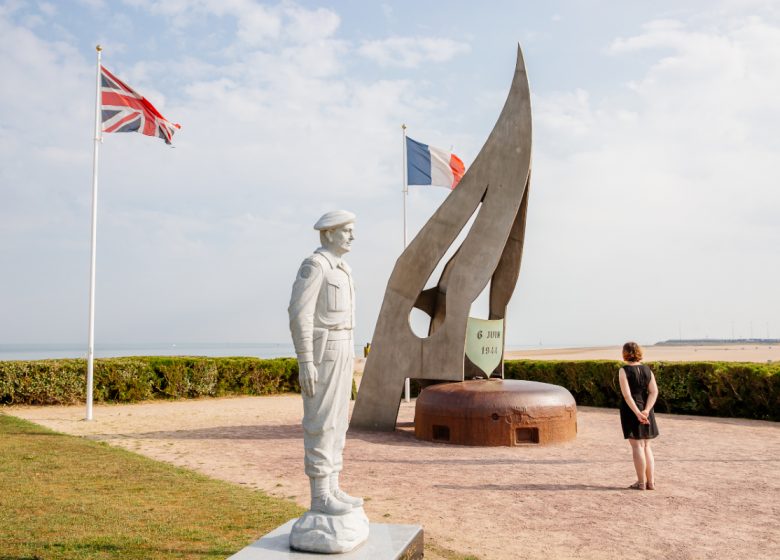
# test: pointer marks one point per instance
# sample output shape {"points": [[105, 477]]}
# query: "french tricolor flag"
{"points": [[426, 165]]}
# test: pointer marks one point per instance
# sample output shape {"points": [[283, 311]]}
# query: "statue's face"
{"points": [[339, 240]]}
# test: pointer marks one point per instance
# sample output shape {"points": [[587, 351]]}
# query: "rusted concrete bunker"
{"points": [[496, 412]]}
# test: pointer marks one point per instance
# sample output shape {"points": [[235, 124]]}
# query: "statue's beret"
{"points": [[334, 219]]}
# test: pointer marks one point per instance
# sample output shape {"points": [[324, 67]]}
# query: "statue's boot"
{"points": [[342, 496], [323, 501]]}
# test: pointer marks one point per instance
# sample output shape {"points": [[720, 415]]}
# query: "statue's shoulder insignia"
{"points": [[305, 271], [310, 266]]}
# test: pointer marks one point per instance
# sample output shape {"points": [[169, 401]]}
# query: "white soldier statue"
{"points": [[321, 321]]}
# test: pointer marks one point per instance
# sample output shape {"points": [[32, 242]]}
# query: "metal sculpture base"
{"points": [[496, 412]]}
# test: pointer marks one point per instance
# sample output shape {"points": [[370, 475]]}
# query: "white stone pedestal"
{"points": [[385, 542], [319, 532]]}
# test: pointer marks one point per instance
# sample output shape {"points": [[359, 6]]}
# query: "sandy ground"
{"points": [[724, 353], [718, 480]]}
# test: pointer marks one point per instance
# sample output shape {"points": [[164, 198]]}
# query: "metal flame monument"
{"points": [[496, 186]]}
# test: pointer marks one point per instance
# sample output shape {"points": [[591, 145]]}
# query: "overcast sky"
{"points": [[655, 199]]}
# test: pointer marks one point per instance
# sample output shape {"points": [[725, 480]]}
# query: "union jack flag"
{"points": [[126, 110]]}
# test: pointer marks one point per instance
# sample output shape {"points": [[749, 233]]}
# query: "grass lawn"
{"points": [[63, 497]]}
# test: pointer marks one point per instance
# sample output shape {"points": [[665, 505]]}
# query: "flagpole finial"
{"points": [[98, 48]]}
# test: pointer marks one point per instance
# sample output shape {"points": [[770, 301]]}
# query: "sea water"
{"points": [[51, 351], [116, 350]]}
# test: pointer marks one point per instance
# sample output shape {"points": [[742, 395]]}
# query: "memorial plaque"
{"points": [[485, 343]]}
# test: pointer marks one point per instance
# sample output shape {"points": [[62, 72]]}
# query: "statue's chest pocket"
{"points": [[337, 296]]}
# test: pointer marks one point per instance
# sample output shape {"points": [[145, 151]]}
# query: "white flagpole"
{"points": [[98, 138], [407, 389], [405, 175]]}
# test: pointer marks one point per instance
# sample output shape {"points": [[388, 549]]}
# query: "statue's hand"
{"points": [[307, 378]]}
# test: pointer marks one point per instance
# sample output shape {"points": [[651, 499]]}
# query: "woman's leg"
{"points": [[649, 465], [638, 453]]}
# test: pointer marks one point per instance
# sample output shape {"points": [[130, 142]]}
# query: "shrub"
{"points": [[123, 380], [742, 390], [142, 378], [731, 389], [43, 382]]}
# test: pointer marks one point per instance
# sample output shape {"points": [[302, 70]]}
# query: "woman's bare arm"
{"points": [[652, 394]]}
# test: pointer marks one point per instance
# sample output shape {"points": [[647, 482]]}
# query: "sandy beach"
{"points": [[704, 353], [721, 353]]}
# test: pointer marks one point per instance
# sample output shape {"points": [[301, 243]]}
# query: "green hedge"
{"points": [[730, 389], [142, 378]]}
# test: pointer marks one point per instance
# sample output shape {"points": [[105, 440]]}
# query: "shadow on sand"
{"points": [[282, 431], [531, 487]]}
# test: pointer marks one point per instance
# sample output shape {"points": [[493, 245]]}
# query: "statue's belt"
{"points": [[321, 336], [340, 334]]}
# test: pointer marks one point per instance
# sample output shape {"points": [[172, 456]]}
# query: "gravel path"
{"points": [[718, 479]]}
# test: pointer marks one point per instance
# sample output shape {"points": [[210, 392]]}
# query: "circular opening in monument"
{"points": [[419, 322], [494, 416]]}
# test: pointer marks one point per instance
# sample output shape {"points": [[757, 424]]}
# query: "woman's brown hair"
{"points": [[632, 352]]}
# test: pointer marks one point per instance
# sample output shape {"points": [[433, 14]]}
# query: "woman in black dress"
{"points": [[637, 384]]}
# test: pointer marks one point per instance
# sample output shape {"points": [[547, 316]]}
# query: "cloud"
{"points": [[93, 4], [307, 26], [411, 52], [256, 24], [659, 195], [568, 113], [652, 197], [273, 135]]}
